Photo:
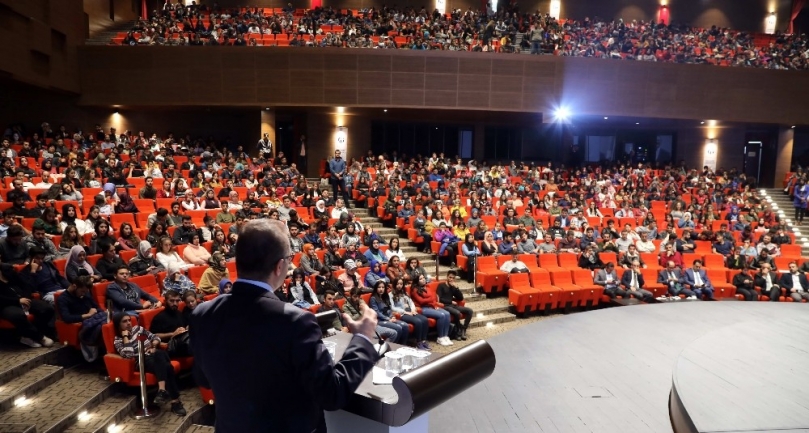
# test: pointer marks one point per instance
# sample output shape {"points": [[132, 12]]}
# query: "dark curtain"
{"points": [[797, 6]]}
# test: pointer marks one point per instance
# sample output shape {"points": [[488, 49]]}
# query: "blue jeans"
{"points": [[420, 325], [441, 317], [401, 328], [386, 333]]}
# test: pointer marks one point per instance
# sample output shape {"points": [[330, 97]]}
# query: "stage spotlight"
{"points": [[562, 114]]}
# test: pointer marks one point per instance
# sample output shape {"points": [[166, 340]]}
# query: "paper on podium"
{"points": [[380, 377]]}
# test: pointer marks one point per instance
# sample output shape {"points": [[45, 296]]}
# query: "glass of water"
{"points": [[393, 363]]}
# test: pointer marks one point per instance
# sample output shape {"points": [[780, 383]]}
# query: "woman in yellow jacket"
{"points": [[216, 272]]}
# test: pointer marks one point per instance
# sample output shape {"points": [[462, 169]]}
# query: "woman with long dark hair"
{"points": [[380, 302], [156, 361], [401, 304]]}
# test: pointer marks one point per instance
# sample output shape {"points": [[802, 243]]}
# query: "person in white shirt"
{"points": [[624, 242], [339, 208], [514, 265], [45, 183], [767, 243], [644, 245], [795, 283]]}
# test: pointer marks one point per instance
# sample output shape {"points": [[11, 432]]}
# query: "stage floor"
{"points": [[602, 371]]}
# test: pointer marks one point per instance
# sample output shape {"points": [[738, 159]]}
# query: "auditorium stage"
{"points": [[608, 370]]}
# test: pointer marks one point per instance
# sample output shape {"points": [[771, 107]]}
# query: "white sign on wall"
{"points": [[441, 5], [769, 24], [556, 8], [341, 141], [710, 154]]}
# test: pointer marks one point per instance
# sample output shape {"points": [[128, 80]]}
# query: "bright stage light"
{"points": [[562, 114]]}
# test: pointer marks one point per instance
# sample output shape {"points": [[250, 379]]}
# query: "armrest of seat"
{"points": [[118, 368]]}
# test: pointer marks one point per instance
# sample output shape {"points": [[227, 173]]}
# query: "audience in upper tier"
{"points": [[508, 30]]}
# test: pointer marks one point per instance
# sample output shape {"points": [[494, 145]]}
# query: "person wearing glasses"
{"points": [[275, 375]]}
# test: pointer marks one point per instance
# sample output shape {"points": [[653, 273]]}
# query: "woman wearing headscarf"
{"points": [[375, 274], [77, 261], [225, 286], [125, 204], [320, 209], [177, 281], [144, 261], [216, 272]]}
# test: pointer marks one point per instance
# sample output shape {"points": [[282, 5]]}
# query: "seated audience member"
{"points": [[38, 239], [403, 305], [329, 305], [696, 279], [176, 280], [353, 254], [13, 249], [763, 258], [128, 297], [310, 263], [644, 244], [632, 282], [769, 282], [351, 278], [144, 261], [450, 295], [109, 262], [429, 308], [514, 265], [352, 307], [670, 254], [77, 306], [326, 281], [76, 262], [746, 284], [191, 302], [216, 272], [672, 277], [42, 277], [375, 274], [170, 324], [374, 253], [631, 255], [194, 253], [157, 361], [301, 294], [380, 302], [590, 259], [608, 279], [167, 255], [414, 270], [15, 305], [225, 286], [736, 260], [185, 232], [795, 283], [569, 244]]}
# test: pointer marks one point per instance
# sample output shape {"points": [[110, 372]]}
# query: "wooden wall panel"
{"points": [[283, 76]]}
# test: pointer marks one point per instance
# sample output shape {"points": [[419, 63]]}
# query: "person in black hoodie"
{"points": [[15, 305], [451, 296]]}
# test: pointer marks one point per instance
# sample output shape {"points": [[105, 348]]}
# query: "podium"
{"points": [[404, 405]]}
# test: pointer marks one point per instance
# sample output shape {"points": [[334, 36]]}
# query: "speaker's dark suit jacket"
{"points": [[267, 366]]}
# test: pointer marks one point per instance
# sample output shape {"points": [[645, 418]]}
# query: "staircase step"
{"points": [[196, 428], [28, 384], [111, 411], [56, 407], [166, 421], [496, 318], [17, 360], [18, 428]]}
